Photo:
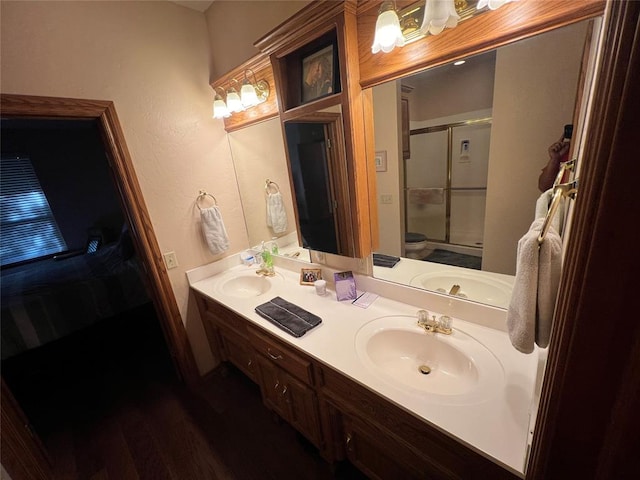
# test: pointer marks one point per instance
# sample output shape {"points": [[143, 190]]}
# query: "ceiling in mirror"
{"points": [[464, 147]]}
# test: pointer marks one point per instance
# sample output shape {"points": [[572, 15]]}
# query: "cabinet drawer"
{"points": [[222, 315], [282, 355]]}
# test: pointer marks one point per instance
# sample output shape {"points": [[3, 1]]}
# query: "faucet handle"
{"points": [[423, 317], [445, 323]]}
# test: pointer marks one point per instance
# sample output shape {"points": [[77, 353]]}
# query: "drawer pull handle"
{"points": [[275, 387], [249, 363], [275, 357], [348, 444], [284, 391]]}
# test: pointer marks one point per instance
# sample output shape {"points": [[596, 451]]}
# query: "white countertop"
{"points": [[497, 427]]}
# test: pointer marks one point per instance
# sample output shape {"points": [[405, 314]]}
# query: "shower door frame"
{"points": [[448, 127]]}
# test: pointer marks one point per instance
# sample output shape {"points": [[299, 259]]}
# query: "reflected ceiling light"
{"points": [[220, 109], [388, 33], [438, 15], [492, 4], [459, 62]]}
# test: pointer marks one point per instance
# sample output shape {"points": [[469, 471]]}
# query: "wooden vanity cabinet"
{"points": [[286, 382], [228, 337], [341, 417], [386, 441]]}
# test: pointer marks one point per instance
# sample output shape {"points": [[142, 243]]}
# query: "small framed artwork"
{"points": [[381, 161], [310, 275], [318, 74]]}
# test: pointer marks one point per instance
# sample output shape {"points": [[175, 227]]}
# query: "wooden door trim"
{"points": [[16, 441], [588, 418]]}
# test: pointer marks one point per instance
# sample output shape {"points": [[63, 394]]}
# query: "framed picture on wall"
{"points": [[318, 74], [381, 161]]}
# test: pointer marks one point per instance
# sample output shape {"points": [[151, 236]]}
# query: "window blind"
{"points": [[28, 229]]}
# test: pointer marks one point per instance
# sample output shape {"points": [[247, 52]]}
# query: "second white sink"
{"points": [[454, 368]]}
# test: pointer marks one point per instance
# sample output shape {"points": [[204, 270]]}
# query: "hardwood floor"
{"points": [[114, 410]]}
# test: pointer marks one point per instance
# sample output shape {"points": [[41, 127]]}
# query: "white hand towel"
{"points": [[276, 214], [531, 309], [521, 314], [213, 229]]}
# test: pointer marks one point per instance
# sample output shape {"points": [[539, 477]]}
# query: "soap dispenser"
{"points": [[266, 264]]}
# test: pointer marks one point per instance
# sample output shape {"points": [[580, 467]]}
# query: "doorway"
{"points": [[21, 450]]}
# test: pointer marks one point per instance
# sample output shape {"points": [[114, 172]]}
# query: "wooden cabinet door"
{"points": [[273, 387], [382, 457], [237, 351], [303, 409]]}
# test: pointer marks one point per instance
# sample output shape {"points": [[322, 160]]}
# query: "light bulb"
{"points": [[233, 101], [388, 33], [438, 15], [220, 109], [248, 95]]}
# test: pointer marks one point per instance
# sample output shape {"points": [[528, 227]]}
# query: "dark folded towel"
{"points": [[289, 317], [382, 260]]}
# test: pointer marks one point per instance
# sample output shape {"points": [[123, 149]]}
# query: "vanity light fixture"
{"points": [[220, 109], [438, 15], [230, 101], [388, 33], [492, 4]]}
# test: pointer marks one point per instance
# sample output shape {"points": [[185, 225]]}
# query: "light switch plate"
{"points": [[170, 260]]}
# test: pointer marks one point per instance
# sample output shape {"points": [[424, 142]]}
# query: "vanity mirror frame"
{"points": [[318, 22]]}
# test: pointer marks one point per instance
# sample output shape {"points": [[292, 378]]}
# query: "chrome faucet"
{"points": [[431, 324]]}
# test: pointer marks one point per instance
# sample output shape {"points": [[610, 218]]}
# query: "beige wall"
{"points": [[151, 60], [258, 155], [543, 78], [449, 90], [387, 132], [235, 24]]}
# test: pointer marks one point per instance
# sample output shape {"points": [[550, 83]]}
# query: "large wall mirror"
{"points": [[466, 178], [464, 147]]}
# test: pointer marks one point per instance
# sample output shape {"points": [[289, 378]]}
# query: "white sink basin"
{"points": [[478, 287], [246, 284], [456, 368]]}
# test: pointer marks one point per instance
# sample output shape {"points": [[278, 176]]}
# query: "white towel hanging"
{"points": [[276, 214], [213, 229], [538, 268]]}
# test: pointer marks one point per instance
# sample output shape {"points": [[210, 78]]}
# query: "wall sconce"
{"points": [[388, 33], [251, 94]]}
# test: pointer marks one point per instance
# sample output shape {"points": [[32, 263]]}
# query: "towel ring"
{"points": [[201, 197], [270, 186]]}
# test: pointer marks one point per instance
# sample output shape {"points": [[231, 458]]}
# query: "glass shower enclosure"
{"points": [[446, 184]]}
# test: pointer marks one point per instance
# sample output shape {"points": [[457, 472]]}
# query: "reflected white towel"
{"points": [[276, 214], [426, 196], [538, 268], [213, 229]]}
